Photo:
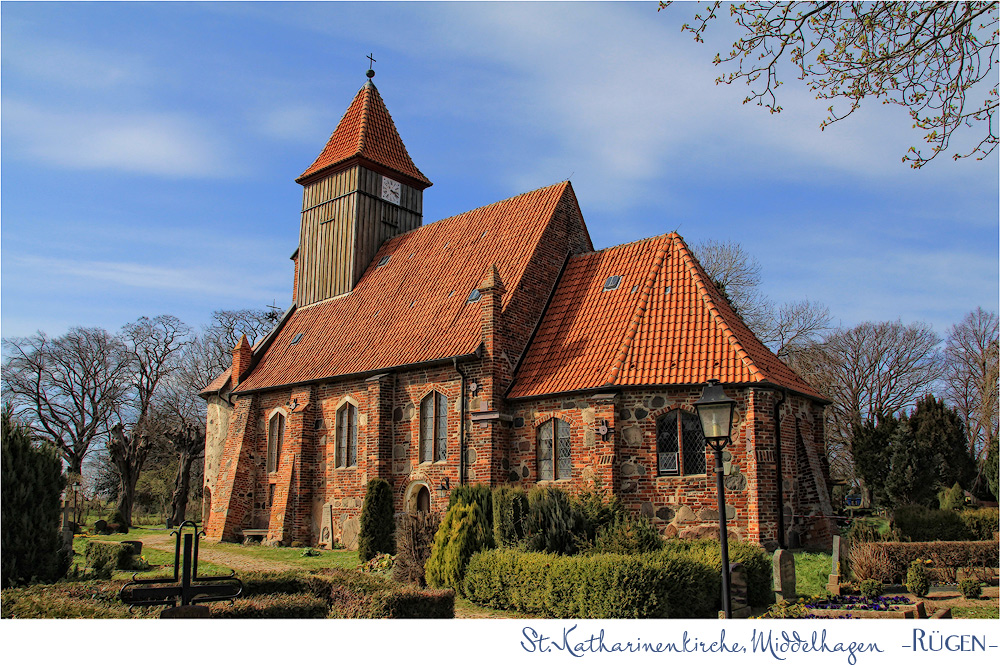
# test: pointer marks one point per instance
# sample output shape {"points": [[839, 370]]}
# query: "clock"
{"points": [[391, 190]]}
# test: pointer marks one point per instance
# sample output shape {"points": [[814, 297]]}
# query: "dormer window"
{"points": [[612, 283], [474, 296], [383, 261], [296, 339]]}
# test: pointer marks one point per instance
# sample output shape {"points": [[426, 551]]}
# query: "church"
{"points": [[496, 346]]}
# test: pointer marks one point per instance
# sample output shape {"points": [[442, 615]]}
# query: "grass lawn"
{"points": [[812, 572], [956, 612]]}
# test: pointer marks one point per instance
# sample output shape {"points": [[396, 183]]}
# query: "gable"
{"points": [[665, 324]]}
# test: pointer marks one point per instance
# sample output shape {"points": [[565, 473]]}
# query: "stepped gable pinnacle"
{"points": [[492, 280], [366, 131]]}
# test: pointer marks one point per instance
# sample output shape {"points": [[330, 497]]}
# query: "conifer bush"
{"points": [[475, 494], [510, 514], [377, 528], [628, 535], [555, 524], [464, 531], [31, 484]]}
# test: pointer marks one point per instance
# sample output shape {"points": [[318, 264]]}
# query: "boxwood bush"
{"points": [[659, 585]]}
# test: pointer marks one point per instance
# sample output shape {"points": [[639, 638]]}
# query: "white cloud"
{"points": [[165, 144], [69, 66]]}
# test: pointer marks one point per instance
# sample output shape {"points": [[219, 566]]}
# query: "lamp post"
{"points": [[715, 410]]}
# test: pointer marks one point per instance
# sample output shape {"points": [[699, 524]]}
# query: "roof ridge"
{"points": [[699, 276], [365, 110], [622, 245], [637, 315]]}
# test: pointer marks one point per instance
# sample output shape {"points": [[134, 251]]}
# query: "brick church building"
{"points": [[495, 346]]}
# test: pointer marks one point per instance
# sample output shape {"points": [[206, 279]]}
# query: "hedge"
{"points": [[108, 555], [274, 605], [888, 561], [982, 523], [360, 595], [755, 561], [916, 523], [659, 585], [88, 599], [270, 583]]}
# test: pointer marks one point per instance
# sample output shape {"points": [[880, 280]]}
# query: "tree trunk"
{"points": [[128, 453], [189, 441]]}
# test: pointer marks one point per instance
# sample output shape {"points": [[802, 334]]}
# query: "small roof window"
{"points": [[383, 261], [474, 296], [296, 339], [612, 283]]}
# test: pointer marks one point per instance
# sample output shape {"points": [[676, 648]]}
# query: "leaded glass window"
{"points": [[554, 450], [275, 437], [680, 444], [434, 427], [347, 436]]}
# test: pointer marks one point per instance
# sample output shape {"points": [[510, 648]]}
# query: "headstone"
{"points": [[783, 575], [326, 538], [136, 546], [738, 590], [837, 556], [349, 534]]}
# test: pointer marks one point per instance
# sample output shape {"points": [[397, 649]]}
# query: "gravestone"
{"points": [[738, 591], [837, 557], [326, 538], [349, 534], [783, 575]]}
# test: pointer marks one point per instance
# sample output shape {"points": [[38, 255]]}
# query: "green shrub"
{"points": [[380, 564], [361, 595], [273, 605], [80, 599], [598, 509], [952, 499], [271, 583], [918, 581], [971, 589], [30, 484], [414, 540], [555, 524], [981, 523], [106, 556], [510, 514], [377, 522], [463, 532], [476, 494], [916, 523], [628, 535], [755, 561], [605, 585], [862, 530], [871, 588]]}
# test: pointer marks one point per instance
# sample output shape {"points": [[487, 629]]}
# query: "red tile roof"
{"points": [[366, 131], [665, 324], [414, 308]]}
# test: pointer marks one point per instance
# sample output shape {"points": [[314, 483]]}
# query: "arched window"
{"points": [[275, 436], [434, 427], [347, 436], [680, 444], [554, 451]]}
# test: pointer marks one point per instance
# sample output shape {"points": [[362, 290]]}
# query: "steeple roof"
{"points": [[366, 131]]}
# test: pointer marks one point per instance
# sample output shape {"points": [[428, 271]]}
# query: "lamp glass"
{"points": [[716, 419]]}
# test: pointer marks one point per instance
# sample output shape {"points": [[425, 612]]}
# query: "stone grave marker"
{"points": [[326, 537], [783, 575], [738, 591], [349, 534], [837, 557]]}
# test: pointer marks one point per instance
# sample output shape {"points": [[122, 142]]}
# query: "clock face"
{"points": [[390, 190]]}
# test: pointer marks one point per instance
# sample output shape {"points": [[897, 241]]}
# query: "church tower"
{"points": [[361, 190]]}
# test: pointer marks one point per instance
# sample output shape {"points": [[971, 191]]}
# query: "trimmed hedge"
{"points": [[755, 560], [108, 555], [916, 523], [272, 583], [888, 561], [360, 595], [88, 599], [273, 605], [659, 585], [982, 523]]}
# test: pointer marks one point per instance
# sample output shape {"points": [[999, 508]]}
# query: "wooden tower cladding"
{"points": [[344, 222]]}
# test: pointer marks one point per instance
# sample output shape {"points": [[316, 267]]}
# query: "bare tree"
{"points": [[972, 377], [153, 348], [786, 328], [873, 370], [932, 58], [66, 388], [189, 443]]}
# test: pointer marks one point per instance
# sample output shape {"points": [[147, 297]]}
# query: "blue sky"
{"points": [[149, 153]]}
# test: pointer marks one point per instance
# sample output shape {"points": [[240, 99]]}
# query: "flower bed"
{"points": [[858, 606]]}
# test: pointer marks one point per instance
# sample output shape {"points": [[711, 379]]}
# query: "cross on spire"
{"points": [[371, 63]]}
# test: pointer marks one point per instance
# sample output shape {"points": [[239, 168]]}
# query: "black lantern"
{"points": [[715, 410]]}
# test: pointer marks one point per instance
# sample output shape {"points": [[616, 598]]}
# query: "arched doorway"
{"points": [[423, 500]]}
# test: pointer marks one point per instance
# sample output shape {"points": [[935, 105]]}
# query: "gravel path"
{"points": [[209, 554]]}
